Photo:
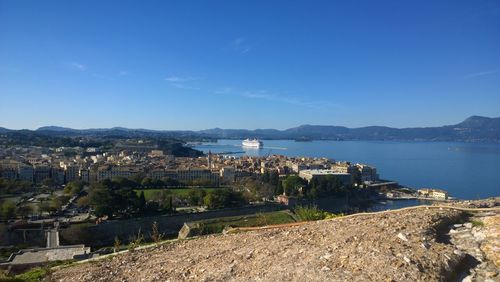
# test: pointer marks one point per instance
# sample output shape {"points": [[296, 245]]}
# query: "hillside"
{"points": [[404, 245], [473, 129]]}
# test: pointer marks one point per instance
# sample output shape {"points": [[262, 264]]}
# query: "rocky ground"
{"points": [[483, 203], [479, 240], [405, 245]]}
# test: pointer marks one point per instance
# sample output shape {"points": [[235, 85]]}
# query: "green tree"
{"points": [[24, 210], [195, 196], [279, 188], [274, 178], [147, 182], [167, 181], [57, 202], [8, 210], [100, 199], [48, 182], [141, 203], [221, 198], [82, 201], [292, 184], [266, 177], [74, 187], [329, 185], [44, 206]]}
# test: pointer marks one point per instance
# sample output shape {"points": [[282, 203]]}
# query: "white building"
{"points": [[309, 174]]}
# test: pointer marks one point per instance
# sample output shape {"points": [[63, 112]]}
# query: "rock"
{"points": [[402, 237], [325, 268], [467, 279], [326, 256], [479, 236], [468, 225], [490, 274], [355, 248]]}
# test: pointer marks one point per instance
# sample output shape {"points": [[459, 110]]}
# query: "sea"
{"points": [[465, 170]]}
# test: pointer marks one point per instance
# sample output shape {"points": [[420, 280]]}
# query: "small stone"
{"points": [[467, 279], [326, 256], [490, 274], [479, 236], [468, 225], [402, 237], [249, 255], [325, 268]]}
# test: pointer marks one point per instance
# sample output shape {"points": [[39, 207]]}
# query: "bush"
{"points": [[135, 241], [311, 213], [477, 223], [117, 244], [33, 275], [156, 236]]}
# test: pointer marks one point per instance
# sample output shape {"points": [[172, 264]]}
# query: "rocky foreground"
{"points": [[404, 245]]}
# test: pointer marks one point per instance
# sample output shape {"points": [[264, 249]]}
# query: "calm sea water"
{"points": [[465, 170]]}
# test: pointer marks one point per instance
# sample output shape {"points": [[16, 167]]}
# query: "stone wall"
{"points": [[104, 233]]}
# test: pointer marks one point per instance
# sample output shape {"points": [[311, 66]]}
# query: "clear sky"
{"points": [[247, 64]]}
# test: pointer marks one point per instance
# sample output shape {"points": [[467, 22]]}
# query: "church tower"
{"points": [[209, 159]]}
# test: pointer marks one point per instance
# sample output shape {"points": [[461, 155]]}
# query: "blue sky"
{"points": [[247, 64]]}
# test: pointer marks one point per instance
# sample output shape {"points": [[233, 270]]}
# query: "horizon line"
{"points": [[216, 127]]}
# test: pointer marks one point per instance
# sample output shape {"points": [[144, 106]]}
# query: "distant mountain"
{"points": [[240, 133], [4, 130], [473, 129], [56, 128]]}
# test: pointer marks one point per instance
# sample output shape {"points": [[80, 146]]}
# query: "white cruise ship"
{"points": [[254, 143]]}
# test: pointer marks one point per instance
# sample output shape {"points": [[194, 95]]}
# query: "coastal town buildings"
{"points": [[131, 158], [311, 174], [433, 193]]}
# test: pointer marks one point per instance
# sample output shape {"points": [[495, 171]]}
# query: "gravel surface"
{"points": [[391, 246]]}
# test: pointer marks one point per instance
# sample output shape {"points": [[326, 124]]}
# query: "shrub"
{"points": [[477, 223], [156, 236], [135, 241], [310, 213], [33, 275], [117, 244]]}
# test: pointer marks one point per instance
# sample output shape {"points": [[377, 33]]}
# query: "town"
{"points": [[49, 195]]}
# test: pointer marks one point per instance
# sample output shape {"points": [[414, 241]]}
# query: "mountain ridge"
{"points": [[474, 128]]}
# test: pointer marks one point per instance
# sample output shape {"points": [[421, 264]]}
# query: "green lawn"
{"points": [[150, 194], [261, 219]]}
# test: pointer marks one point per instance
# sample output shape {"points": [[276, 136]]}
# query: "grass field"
{"points": [[150, 194], [261, 219]]}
